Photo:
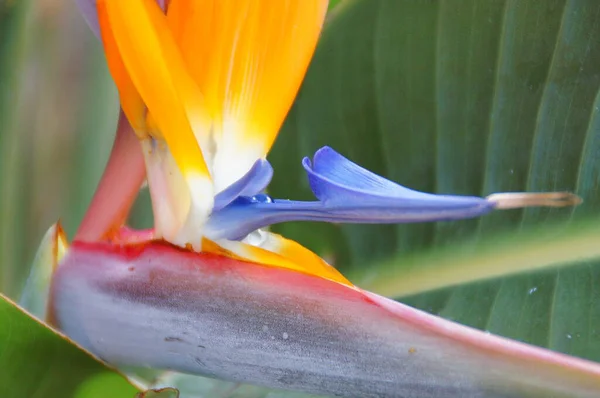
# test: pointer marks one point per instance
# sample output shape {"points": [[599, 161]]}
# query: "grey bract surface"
{"points": [[203, 314]]}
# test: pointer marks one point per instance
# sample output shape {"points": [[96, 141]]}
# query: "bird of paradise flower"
{"points": [[204, 88]]}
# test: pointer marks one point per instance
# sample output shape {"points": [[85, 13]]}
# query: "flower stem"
{"points": [[124, 174]]}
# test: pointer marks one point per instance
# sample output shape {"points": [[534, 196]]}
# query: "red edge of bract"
{"points": [[133, 250]]}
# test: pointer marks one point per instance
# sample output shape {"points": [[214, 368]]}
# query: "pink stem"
{"points": [[118, 188]]}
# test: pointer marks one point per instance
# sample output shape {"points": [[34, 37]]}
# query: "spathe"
{"points": [[156, 305]]}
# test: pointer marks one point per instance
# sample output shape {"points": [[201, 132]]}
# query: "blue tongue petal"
{"points": [[253, 182], [334, 178], [337, 181], [347, 193]]}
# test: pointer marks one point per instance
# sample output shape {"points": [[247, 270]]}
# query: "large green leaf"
{"points": [[37, 362], [12, 44], [464, 97]]}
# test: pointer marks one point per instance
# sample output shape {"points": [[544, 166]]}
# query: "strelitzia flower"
{"points": [[204, 87]]}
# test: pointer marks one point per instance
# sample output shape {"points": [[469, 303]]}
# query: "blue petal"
{"points": [[253, 182], [347, 193], [333, 178]]}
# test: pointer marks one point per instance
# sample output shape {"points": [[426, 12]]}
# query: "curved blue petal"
{"points": [[347, 193], [253, 182], [332, 177]]}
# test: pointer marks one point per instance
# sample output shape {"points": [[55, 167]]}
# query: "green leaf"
{"points": [[38, 362], [464, 97]]}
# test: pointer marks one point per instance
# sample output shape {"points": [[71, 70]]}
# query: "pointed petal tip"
{"points": [[325, 151], [35, 295], [273, 250], [516, 200]]}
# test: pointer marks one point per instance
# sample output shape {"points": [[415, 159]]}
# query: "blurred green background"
{"points": [[57, 117], [449, 96]]}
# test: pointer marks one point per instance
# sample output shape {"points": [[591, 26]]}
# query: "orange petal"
{"points": [[156, 68], [277, 251], [131, 102], [248, 58], [157, 71]]}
